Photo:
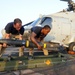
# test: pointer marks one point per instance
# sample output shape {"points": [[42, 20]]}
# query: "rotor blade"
{"points": [[65, 0]]}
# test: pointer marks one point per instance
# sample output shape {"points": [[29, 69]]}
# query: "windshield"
{"points": [[43, 21], [32, 24], [36, 22], [46, 21], [40, 22]]}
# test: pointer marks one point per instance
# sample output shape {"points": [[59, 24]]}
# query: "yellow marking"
{"points": [[48, 62], [45, 45], [27, 43]]}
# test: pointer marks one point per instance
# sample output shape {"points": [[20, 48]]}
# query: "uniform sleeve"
{"points": [[22, 31], [35, 30], [8, 29]]}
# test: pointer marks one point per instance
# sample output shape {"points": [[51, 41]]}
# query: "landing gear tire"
{"points": [[72, 46]]}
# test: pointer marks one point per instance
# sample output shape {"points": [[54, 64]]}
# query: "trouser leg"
{"points": [[31, 51], [3, 33], [2, 49], [30, 57], [21, 51]]}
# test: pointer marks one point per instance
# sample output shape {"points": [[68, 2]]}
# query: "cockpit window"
{"points": [[40, 22], [46, 21], [35, 22]]}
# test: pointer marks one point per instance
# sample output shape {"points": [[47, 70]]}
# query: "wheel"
{"points": [[72, 46]]}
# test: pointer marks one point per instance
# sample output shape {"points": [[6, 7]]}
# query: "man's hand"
{"points": [[20, 37], [4, 45], [39, 47]]}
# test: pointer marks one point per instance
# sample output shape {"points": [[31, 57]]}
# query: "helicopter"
{"points": [[62, 32], [62, 26]]}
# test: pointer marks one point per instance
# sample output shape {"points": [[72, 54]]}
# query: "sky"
{"points": [[27, 10]]}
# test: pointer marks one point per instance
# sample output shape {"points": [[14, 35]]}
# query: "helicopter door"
{"points": [[56, 30], [66, 32], [65, 29]]}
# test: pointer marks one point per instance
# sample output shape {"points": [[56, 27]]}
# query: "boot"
{"points": [[21, 51]]}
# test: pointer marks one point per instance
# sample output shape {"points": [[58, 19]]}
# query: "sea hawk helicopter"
{"points": [[62, 34], [62, 26]]}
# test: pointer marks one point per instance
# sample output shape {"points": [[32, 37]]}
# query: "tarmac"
{"points": [[65, 68]]}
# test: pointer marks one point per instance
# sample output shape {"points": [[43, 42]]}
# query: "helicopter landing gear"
{"points": [[72, 46]]}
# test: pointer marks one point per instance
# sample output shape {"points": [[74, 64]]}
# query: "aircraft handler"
{"points": [[38, 33], [14, 30]]}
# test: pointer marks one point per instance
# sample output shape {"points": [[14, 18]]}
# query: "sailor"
{"points": [[14, 30], [38, 33]]}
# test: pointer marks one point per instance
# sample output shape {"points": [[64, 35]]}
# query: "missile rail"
{"points": [[18, 63]]}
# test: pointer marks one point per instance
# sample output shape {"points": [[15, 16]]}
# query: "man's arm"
{"points": [[20, 37], [7, 36], [21, 33], [32, 37]]}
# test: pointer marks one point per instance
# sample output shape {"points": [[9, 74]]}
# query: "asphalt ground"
{"points": [[65, 68]]}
